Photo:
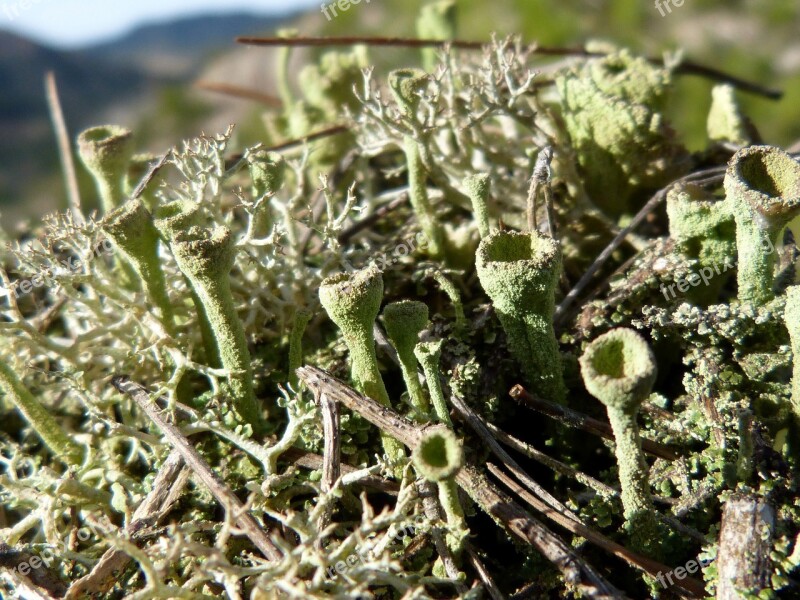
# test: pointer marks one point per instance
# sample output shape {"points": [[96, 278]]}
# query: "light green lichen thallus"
{"points": [[352, 301], [404, 321], [268, 172], [205, 257], [428, 354], [619, 369], [613, 109], [406, 85], [726, 123], [131, 229], [519, 272], [436, 21], [38, 417], [477, 187], [438, 458], [703, 230], [792, 320], [762, 191], [107, 151]]}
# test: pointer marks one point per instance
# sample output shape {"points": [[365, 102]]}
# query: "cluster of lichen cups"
{"points": [[204, 256], [352, 301]]}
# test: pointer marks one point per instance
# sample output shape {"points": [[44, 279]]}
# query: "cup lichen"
{"points": [[106, 151], [404, 321], [520, 272], [205, 257], [619, 369], [762, 191], [352, 301]]}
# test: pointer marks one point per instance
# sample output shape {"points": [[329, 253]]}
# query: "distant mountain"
{"points": [[121, 80], [180, 47]]}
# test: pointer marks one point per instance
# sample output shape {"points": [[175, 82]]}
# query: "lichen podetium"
{"points": [[762, 190], [619, 369], [519, 272]]}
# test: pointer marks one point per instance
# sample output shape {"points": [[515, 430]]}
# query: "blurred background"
{"points": [[137, 64]]}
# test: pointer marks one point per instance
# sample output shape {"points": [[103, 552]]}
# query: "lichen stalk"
{"points": [[352, 301], [405, 85], [206, 258], [130, 227], [428, 354], [762, 190], [404, 321], [477, 187], [619, 369], [438, 458], [519, 272], [42, 422]]}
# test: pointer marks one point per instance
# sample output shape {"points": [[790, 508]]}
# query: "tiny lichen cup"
{"points": [[352, 301], [619, 369], [106, 151], [404, 321], [762, 189], [520, 272]]}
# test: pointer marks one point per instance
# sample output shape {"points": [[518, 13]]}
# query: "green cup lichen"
{"points": [[205, 257], [762, 188], [131, 229], [613, 110], [352, 301], [436, 21], [726, 123], [404, 321], [106, 151], [428, 354], [438, 458], [703, 230], [38, 417], [619, 369], [520, 272], [268, 173]]}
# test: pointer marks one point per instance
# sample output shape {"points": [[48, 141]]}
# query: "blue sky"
{"points": [[76, 22]]}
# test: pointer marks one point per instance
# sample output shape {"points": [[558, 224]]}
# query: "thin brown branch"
{"points": [[686, 67], [332, 455], [64, 147], [201, 468], [648, 565], [167, 488], [494, 502], [484, 574], [573, 418], [479, 427], [236, 91]]}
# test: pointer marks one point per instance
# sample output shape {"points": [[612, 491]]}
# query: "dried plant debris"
{"points": [[171, 369]]}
